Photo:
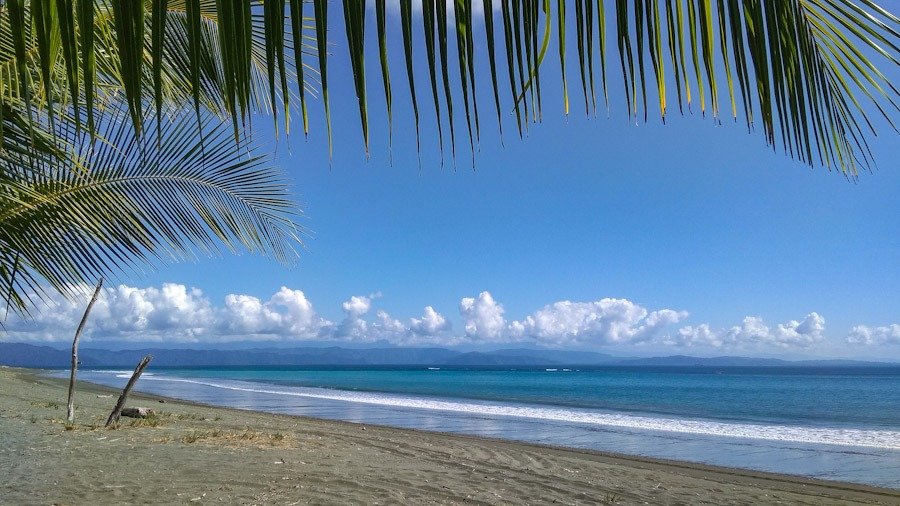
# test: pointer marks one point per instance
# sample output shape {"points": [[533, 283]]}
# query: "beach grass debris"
{"points": [[189, 416], [45, 404], [148, 421], [242, 437], [194, 436], [611, 497]]}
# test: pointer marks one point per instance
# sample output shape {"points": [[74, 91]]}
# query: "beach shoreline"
{"points": [[205, 453]]}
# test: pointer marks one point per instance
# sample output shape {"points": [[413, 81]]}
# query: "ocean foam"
{"points": [[118, 374], [883, 439]]}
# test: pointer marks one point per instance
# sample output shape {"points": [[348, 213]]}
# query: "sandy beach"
{"points": [[199, 454]]}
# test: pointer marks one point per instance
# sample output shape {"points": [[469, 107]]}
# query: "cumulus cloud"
{"points": [[288, 313], [752, 331], [59, 314], [865, 335], [175, 313], [358, 305], [690, 336], [124, 311], [803, 334], [431, 323], [431, 329], [606, 321], [172, 307], [354, 327], [483, 317], [387, 326]]}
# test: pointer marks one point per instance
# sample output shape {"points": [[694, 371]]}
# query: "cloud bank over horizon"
{"points": [[175, 313]]}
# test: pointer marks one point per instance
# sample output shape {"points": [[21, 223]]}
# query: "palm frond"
{"points": [[77, 202], [810, 71], [813, 63], [143, 201], [167, 53]]}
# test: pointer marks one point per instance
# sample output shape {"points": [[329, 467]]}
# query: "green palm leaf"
{"points": [[811, 73], [815, 63], [143, 201]]}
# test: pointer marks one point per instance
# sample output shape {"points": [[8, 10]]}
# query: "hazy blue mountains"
{"points": [[27, 355]]}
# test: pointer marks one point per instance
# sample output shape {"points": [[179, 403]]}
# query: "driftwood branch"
{"points": [[117, 411], [70, 408]]}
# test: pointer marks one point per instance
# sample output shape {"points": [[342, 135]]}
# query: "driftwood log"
{"points": [[117, 411], [70, 406], [136, 412]]}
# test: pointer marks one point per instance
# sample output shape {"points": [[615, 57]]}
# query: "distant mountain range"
{"points": [[26, 355]]}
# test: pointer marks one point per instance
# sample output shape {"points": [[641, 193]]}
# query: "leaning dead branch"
{"points": [[117, 411]]}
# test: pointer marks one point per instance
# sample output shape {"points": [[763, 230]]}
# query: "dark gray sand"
{"points": [[200, 454]]}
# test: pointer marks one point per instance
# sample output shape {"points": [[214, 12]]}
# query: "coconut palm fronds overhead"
{"points": [[124, 136], [83, 193], [809, 73], [144, 199]]}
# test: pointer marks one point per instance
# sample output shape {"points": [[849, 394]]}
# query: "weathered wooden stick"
{"points": [[117, 411], [70, 409]]}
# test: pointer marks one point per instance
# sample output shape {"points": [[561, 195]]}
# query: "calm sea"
{"points": [[831, 423]]}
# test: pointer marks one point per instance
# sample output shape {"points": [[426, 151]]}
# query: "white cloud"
{"points": [[358, 305], [752, 332], [246, 314], [431, 323], [803, 334], [56, 322], [431, 329], [354, 327], [287, 314], [388, 326], [483, 317], [172, 307], [175, 313], [865, 335], [606, 321], [690, 336]]}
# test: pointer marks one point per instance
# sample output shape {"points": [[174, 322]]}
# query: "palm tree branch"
{"points": [[142, 203]]}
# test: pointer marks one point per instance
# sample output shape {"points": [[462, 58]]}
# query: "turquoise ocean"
{"points": [[836, 423]]}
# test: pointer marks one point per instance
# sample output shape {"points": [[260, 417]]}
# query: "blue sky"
{"points": [[699, 238]]}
